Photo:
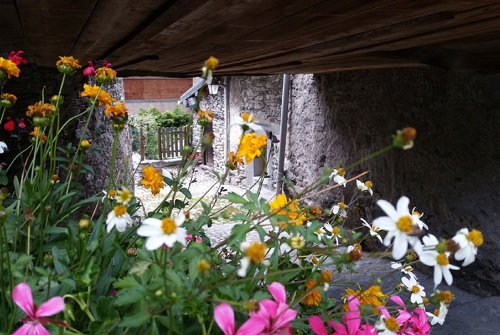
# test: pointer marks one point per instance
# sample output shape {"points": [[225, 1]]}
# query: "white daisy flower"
{"points": [[399, 224], [247, 121], [3, 146], [468, 243], [364, 187], [420, 224], [118, 218], [440, 261], [340, 209], [407, 270], [417, 290], [124, 196], [439, 315], [163, 232], [338, 176], [255, 252], [373, 230]]}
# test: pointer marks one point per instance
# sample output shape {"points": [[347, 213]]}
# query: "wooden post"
{"points": [[141, 143], [160, 153]]}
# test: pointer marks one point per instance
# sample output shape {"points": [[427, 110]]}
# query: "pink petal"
{"points": [[397, 300], [50, 307], [338, 327], [277, 291], [317, 325], [224, 317], [252, 326], [284, 318], [23, 298], [25, 329]]}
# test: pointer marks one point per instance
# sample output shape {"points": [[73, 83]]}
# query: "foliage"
{"points": [[122, 273], [145, 120], [176, 118]]}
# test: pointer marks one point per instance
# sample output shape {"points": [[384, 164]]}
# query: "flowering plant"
{"points": [[123, 272]]}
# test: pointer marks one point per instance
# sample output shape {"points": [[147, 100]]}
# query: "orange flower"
{"points": [[41, 110], [205, 117], [67, 65], [7, 100], [281, 205], [233, 161], [211, 63], [105, 75], [37, 134], [313, 297], [95, 92], [371, 296], [152, 179], [8, 68], [116, 110]]}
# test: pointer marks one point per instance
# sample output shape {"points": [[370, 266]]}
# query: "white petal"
{"points": [[400, 247], [152, 222], [403, 206], [154, 242], [389, 209], [447, 276], [438, 275], [385, 223], [146, 231]]}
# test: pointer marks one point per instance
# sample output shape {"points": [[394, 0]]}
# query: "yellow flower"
{"points": [[233, 161], [251, 145], [92, 92], [37, 134], [313, 297], [371, 296], [7, 100], [211, 63], [67, 65], [152, 179], [282, 206], [205, 117], [9, 68], [84, 144], [105, 75]]}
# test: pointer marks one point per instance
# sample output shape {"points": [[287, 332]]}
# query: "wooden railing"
{"points": [[171, 141]]}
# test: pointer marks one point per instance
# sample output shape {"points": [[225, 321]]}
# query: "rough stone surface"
{"points": [[452, 173]]}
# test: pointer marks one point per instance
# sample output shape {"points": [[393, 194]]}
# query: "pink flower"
{"points": [[89, 71], [351, 320], [35, 321], [17, 58], [224, 317], [275, 314], [418, 324], [387, 323]]}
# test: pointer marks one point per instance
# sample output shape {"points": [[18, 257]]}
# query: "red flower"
{"points": [[9, 125], [16, 57], [89, 71], [21, 123]]}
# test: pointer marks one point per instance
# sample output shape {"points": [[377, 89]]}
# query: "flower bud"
{"points": [[203, 266], [84, 223], [39, 121], [57, 100], [84, 144]]}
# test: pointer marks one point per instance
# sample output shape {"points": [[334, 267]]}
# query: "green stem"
{"points": [[370, 156]]}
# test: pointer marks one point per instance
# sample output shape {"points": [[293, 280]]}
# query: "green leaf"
{"points": [[186, 192], [131, 296], [105, 309], [235, 198], [135, 320], [127, 282]]}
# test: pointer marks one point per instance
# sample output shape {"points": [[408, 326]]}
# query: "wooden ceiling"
{"points": [[251, 37]]}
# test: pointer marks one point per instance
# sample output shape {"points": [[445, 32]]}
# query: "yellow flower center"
{"points": [[336, 231], [476, 237], [120, 210], [256, 252], [168, 226], [442, 259], [111, 194], [369, 184], [415, 289], [404, 223], [341, 172], [326, 276], [446, 296], [436, 312], [247, 117], [392, 324], [342, 205], [319, 231]]}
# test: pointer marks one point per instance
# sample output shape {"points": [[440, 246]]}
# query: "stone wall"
{"points": [[215, 104], [452, 173]]}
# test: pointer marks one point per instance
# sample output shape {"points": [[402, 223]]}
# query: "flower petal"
{"points": [[50, 307], [252, 326], [317, 325], [389, 209], [224, 317], [402, 207], [154, 242], [277, 291], [23, 298], [147, 230]]}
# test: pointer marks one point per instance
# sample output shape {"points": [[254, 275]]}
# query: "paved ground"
{"points": [[468, 314]]}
